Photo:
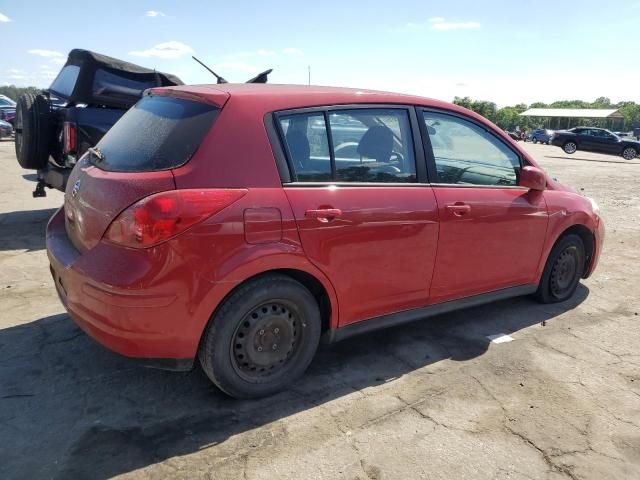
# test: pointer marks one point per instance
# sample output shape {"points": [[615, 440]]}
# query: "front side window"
{"points": [[368, 145], [466, 154]]}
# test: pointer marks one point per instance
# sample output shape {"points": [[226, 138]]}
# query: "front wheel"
{"points": [[262, 338], [629, 153], [562, 271], [570, 147]]}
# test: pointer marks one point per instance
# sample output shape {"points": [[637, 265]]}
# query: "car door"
{"points": [[608, 143], [586, 140], [491, 230], [367, 218]]}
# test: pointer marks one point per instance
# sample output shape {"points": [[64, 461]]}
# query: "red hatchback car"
{"points": [[240, 223]]}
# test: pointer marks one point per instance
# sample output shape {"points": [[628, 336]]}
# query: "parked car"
{"points": [[598, 140], [6, 130], [91, 92], [517, 136], [237, 225], [7, 109], [540, 135], [636, 133]]}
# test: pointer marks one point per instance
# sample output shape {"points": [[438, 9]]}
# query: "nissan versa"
{"points": [[239, 224]]}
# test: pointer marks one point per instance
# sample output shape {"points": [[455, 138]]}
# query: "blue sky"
{"points": [[507, 52]]}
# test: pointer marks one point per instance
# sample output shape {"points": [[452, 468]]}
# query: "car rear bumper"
{"points": [[126, 300]]}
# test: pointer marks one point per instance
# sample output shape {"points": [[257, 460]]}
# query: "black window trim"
{"points": [[430, 157], [283, 158]]}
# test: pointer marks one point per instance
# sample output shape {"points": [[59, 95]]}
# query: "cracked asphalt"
{"points": [[430, 400]]}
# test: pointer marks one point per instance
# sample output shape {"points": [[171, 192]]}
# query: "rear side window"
{"points": [[357, 145], [157, 133], [65, 82], [307, 144]]}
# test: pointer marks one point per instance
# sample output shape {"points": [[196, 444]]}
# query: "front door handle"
{"points": [[323, 214], [459, 209]]}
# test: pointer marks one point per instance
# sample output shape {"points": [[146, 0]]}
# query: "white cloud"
{"points": [[439, 23], [291, 51], [15, 71], [4, 18], [58, 61], [172, 49], [154, 13], [46, 53]]}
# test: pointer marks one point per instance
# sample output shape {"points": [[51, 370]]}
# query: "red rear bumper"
{"points": [[131, 301]]}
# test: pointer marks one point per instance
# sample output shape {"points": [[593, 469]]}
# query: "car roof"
{"points": [[273, 97]]}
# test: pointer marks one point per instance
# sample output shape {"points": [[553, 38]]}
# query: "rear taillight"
{"points": [[159, 217], [69, 137]]}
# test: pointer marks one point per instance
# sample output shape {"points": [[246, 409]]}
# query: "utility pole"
{"points": [[309, 71]]}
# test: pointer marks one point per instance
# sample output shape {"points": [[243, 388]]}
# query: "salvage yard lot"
{"points": [[434, 399]]}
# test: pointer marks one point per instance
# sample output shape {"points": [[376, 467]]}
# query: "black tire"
{"points": [[563, 270], [629, 153], [32, 131], [534, 140], [570, 147], [237, 350]]}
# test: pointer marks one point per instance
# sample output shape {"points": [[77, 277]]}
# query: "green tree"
{"points": [[14, 92]]}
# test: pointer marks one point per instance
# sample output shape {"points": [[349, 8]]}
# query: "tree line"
{"points": [[14, 92], [509, 118]]}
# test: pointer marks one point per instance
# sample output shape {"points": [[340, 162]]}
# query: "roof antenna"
{"points": [[219, 79]]}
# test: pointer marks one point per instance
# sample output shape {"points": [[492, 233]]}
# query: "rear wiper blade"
{"points": [[96, 152]]}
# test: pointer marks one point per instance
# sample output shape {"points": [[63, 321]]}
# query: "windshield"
{"points": [[157, 133]]}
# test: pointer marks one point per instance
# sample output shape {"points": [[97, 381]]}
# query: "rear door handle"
{"points": [[323, 214], [459, 209]]}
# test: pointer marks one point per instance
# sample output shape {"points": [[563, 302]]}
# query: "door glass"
{"points": [[307, 145], [466, 154], [372, 145]]}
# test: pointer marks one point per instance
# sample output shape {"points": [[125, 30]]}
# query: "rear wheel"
{"points": [[629, 153], [262, 338], [563, 270], [570, 147], [32, 128], [534, 140]]}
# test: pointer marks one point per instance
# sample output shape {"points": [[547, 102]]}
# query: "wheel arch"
{"points": [[588, 238], [326, 299]]}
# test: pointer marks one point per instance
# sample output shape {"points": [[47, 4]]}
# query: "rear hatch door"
{"points": [[132, 161]]}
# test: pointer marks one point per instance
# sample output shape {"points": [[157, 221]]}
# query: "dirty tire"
{"points": [[629, 153], [562, 271], [262, 337], [570, 147], [32, 129]]}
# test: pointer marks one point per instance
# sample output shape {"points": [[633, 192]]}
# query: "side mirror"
{"points": [[533, 178]]}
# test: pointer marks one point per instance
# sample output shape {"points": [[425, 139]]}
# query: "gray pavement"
{"points": [[430, 400]]}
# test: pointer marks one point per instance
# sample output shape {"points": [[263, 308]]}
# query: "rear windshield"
{"points": [[157, 133]]}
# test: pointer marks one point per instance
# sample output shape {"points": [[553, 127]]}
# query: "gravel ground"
{"points": [[434, 399]]}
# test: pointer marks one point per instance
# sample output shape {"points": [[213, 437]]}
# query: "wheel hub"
{"points": [[265, 339], [564, 271]]}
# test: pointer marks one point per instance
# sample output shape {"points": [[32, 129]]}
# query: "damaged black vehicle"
{"points": [[54, 128]]}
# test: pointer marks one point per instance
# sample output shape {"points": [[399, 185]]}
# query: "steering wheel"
{"points": [[398, 157]]}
